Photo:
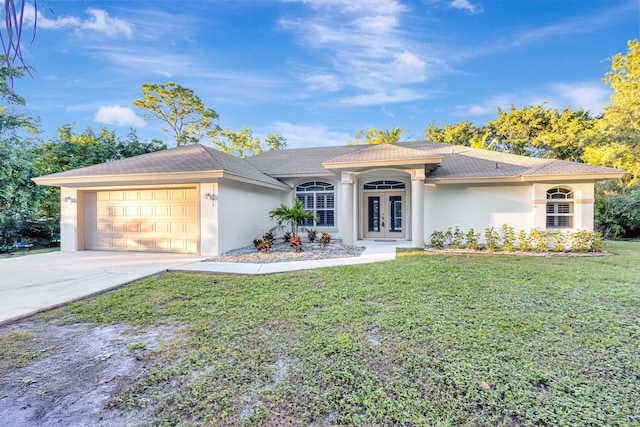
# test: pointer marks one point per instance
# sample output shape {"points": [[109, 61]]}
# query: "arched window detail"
{"points": [[384, 185], [560, 208], [318, 197]]}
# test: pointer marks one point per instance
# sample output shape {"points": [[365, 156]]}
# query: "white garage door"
{"points": [[155, 220]]}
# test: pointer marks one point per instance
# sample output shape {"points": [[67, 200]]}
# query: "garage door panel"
{"points": [[143, 220], [105, 227]]}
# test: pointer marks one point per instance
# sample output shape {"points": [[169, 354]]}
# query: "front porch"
{"points": [[382, 192]]}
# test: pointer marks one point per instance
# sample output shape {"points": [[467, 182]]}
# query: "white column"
{"points": [[346, 209], [417, 208]]}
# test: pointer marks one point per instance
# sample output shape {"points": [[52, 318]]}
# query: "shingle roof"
{"points": [[300, 161], [459, 163], [466, 162], [380, 152], [189, 158]]}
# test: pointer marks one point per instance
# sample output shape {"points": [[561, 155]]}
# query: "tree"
{"points": [[10, 120], [181, 110], [18, 194], [244, 144], [617, 136], [461, 133], [11, 38], [518, 131], [622, 116], [294, 215], [374, 136], [74, 150]]}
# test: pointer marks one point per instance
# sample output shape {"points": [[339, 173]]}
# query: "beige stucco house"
{"points": [[195, 199]]}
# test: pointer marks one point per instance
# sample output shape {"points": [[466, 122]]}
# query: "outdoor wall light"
{"points": [[210, 196]]}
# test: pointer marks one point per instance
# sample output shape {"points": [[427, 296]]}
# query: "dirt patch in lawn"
{"points": [[71, 373]]}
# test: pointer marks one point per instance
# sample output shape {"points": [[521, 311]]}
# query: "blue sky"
{"points": [[319, 70]]}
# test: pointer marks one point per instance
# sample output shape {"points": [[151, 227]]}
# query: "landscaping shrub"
{"points": [[473, 240], [508, 238], [296, 243], [492, 238], [505, 240], [437, 240], [325, 239]]}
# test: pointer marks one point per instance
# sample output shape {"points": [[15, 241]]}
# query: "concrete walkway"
{"points": [[35, 283]]}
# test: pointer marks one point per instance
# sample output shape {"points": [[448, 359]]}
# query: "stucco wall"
{"points": [[71, 214], [522, 207], [477, 207], [583, 209], [209, 204], [243, 213]]}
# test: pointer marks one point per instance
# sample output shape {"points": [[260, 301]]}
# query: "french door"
{"points": [[384, 215]]}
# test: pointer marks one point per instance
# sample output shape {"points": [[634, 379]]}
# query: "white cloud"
{"points": [[101, 22], [309, 135], [364, 48], [591, 96], [585, 95], [382, 97], [98, 22], [322, 81], [466, 5], [119, 116]]}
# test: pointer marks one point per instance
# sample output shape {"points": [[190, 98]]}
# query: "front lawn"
{"points": [[12, 253], [428, 339]]}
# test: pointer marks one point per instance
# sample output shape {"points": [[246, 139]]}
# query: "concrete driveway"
{"points": [[34, 283]]}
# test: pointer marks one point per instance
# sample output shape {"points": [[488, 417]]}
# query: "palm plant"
{"points": [[294, 215]]}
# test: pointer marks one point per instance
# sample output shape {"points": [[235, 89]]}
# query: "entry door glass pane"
{"points": [[374, 213], [395, 204]]}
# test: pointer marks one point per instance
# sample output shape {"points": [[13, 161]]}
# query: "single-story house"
{"points": [[195, 199]]}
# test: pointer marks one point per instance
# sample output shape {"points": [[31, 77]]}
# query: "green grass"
{"points": [[22, 252], [19, 348], [424, 340]]}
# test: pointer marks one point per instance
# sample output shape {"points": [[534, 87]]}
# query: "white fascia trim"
{"points": [[128, 179]]}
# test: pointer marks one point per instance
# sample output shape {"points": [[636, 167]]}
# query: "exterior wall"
{"points": [[209, 208], [243, 213], [522, 207], [71, 219], [583, 205], [477, 207]]}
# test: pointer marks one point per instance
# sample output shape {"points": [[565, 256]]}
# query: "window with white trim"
{"points": [[318, 197], [384, 185], [560, 208]]}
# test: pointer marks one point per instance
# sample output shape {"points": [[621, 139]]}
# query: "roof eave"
{"points": [[589, 176], [577, 177], [275, 185], [128, 179], [324, 173], [383, 163]]}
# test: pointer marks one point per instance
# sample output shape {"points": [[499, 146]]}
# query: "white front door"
{"points": [[384, 215]]}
